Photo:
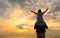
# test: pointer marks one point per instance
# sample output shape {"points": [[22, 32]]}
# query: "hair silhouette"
{"points": [[39, 11]]}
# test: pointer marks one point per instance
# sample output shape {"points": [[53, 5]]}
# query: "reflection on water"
{"points": [[27, 37]]}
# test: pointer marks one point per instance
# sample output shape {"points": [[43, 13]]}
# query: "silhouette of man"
{"points": [[40, 24]]}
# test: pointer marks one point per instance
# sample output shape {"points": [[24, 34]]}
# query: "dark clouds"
{"points": [[4, 6], [13, 2], [21, 2], [56, 9], [35, 4], [7, 5], [55, 5]]}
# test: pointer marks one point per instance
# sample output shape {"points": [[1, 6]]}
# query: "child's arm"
{"points": [[34, 12], [45, 11]]}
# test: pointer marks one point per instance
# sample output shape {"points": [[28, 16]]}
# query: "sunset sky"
{"points": [[16, 16]]}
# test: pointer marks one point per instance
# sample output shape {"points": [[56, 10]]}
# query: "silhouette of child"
{"points": [[40, 24]]}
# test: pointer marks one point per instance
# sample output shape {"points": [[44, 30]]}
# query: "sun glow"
{"points": [[24, 19]]}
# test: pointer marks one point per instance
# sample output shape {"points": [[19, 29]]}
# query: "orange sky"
{"points": [[25, 21]]}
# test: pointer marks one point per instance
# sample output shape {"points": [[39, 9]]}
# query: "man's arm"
{"points": [[45, 11], [34, 12]]}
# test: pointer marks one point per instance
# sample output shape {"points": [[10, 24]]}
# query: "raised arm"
{"points": [[45, 11], [34, 12]]}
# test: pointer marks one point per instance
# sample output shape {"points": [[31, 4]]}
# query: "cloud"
{"points": [[53, 5], [18, 11], [9, 9], [13, 9], [20, 26], [24, 26], [4, 6]]}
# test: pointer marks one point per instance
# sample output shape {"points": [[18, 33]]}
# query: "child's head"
{"points": [[39, 11]]}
